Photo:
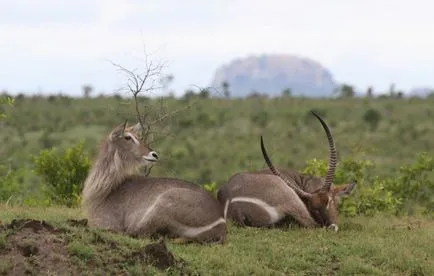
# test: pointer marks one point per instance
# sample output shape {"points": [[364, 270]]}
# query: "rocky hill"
{"points": [[271, 74]]}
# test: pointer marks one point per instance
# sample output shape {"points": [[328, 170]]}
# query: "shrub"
{"points": [[211, 187], [7, 101], [9, 179], [372, 117], [63, 173], [10, 183], [260, 118], [368, 198], [413, 185], [409, 189]]}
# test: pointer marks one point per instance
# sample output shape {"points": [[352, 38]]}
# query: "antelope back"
{"points": [[170, 206], [252, 199], [115, 197]]}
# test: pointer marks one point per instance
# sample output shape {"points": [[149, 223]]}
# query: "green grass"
{"points": [[222, 135], [380, 245]]}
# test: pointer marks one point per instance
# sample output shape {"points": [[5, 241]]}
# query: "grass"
{"points": [[222, 135], [380, 245]]}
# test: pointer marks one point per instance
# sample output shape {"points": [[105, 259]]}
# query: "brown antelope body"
{"points": [[116, 197], [268, 196]]}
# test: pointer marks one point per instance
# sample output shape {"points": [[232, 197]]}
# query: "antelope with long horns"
{"points": [[116, 197], [268, 196]]}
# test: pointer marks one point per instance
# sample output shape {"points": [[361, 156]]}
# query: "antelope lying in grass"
{"points": [[117, 198], [267, 197]]}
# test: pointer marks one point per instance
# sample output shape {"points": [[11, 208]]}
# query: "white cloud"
{"points": [[384, 40]]}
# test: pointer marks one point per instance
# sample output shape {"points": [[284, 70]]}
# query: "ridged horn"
{"points": [[333, 155], [124, 126], [290, 183]]}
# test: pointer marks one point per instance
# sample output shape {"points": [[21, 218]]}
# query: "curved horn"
{"points": [[299, 192], [333, 155], [124, 126]]}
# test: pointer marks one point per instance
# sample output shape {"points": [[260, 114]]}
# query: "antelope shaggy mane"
{"points": [[117, 197]]}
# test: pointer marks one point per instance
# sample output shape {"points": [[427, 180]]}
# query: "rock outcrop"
{"points": [[271, 74]]}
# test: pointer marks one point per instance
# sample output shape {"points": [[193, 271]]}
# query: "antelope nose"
{"points": [[154, 154], [333, 227]]}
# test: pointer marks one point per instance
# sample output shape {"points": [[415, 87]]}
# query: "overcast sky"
{"points": [[51, 45]]}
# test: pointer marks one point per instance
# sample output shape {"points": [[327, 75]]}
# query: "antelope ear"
{"points": [[344, 190], [118, 132], [137, 128]]}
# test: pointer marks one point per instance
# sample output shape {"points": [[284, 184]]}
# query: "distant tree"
{"points": [[392, 91], [400, 94], [254, 94], [372, 117], [52, 98], [370, 92], [346, 91], [165, 82], [226, 91], [188, 95], [20, 97], [87, 90], [287, 92], [45, 140], [204, 93]]}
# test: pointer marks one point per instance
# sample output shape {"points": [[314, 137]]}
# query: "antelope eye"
{"points": [[127, 137]]}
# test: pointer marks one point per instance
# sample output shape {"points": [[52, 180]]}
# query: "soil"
{"points": [[33, 247]]}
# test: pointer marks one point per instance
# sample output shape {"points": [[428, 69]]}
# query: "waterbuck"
{"points": [[268, 196], [116, 197]]}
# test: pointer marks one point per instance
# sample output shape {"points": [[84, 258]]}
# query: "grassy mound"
{"points": [[41, 241]]}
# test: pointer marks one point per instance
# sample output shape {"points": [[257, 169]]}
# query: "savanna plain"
{"points": [[385, 143]]}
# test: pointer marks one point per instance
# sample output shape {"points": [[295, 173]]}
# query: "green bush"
{"points": [[9, 178], [7, 101], [63, 173], [373, 118], [369, 198], [405, 191], [414, 185], [9, 183], [211, 187]]}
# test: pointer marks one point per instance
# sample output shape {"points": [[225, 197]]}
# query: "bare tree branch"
{"points": [[146, 80], [141, 83]]}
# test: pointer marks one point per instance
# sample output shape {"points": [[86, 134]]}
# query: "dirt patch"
{"points": [[33, 247], [157, 254]]}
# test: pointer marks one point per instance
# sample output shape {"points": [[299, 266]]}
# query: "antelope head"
{"points": [[130, 148], [121, 154], [322, 203]]}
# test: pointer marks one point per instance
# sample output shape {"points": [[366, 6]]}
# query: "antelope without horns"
{"points": [[268, 196], [116, 197]]}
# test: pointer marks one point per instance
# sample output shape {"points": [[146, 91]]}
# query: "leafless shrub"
{"points": [[153, 114]]}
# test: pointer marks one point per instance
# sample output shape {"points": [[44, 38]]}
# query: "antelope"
{"points": [[267, 197], [116, 197]]}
